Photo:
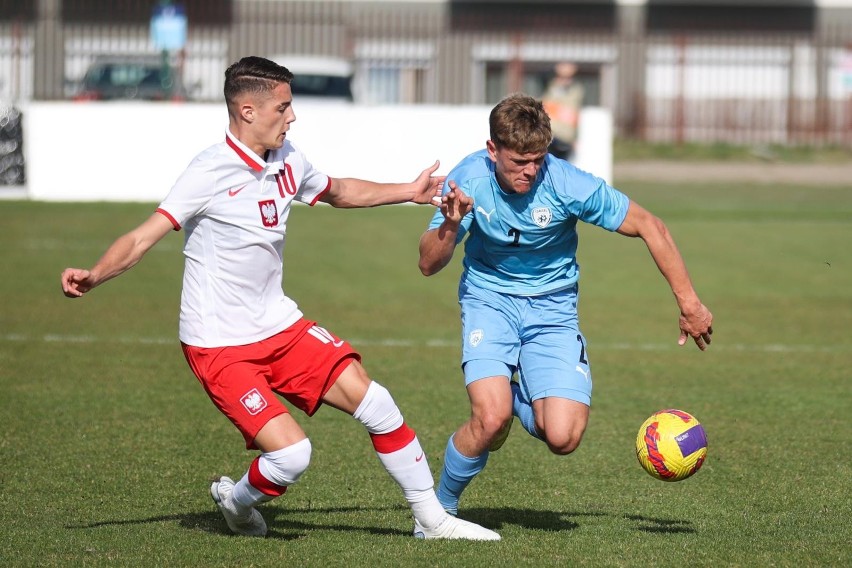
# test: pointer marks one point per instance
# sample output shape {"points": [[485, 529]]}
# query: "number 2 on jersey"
{"points": [[516, 237], [583, 359]]}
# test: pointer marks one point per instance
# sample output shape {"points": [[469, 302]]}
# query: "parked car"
{"points": [[146, 78], [317, 76]]}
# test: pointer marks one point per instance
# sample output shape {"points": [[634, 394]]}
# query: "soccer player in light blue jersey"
{"points": [[519, 207]]}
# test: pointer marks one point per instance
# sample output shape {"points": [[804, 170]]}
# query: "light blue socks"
{"points": [[522, 408], [458, 471]]}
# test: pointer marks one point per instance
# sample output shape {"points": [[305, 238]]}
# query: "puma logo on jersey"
{"points": [[582, 371], [487, 214]]}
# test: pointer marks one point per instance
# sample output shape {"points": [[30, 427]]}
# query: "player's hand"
{"points": [[427, 188], [76, 282], [455, 204], [698, 325]]}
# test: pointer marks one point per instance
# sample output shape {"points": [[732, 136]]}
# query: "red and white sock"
{"points": [[271, 473], [400, 452]]}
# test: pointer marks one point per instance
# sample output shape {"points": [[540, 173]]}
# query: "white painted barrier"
{"points": [[130, 151], [594, 142]]}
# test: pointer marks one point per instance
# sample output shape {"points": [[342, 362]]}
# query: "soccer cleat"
{"points": [[454, 528], [249, 524], [501, 437]]}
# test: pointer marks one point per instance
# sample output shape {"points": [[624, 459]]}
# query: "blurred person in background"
{"points": [[519, 206], [245, 340], [562, 101]]}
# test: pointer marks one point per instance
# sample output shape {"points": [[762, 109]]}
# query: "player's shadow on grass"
{"points": [[283, 522], [657, 525], [287, 523], [527, 518]]}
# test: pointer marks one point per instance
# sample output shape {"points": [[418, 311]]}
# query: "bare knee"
{"points": [[565, 442], [491, 412], [490, 423], [561, 423]]}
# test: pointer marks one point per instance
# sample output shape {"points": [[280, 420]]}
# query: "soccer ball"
{"points": [[671, 445]]}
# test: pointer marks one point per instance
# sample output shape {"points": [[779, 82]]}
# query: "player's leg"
{"points": [[399, 451], [554, 372], [239, 389], [523, 409], [468, 448], [285, 455], [489, 355], [490, 407], [561, 422]]}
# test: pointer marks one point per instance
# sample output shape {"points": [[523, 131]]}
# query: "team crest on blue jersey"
{"points": [[475, 337], [542, 216], [268, 213]]}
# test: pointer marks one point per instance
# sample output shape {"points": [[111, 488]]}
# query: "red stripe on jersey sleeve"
{"points": [[323, 192], [171, 219]]}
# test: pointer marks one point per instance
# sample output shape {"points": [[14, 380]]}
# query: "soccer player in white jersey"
{"points": [[244, 339], [519, 207]]}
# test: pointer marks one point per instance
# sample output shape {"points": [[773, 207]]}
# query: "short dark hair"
{"points": [[519, 123], [254, 75]]}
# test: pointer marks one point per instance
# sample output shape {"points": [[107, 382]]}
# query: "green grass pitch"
{"points": [[108, 442]]}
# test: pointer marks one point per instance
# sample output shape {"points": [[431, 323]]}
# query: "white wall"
{"points": [[134, 151]]}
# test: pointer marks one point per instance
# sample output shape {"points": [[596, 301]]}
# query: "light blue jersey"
{"points": [[518, 292], [526, 244]]}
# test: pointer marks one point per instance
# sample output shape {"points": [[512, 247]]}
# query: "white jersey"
{"points": [[233, 206]]}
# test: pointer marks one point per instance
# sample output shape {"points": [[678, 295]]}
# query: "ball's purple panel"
{"points": [[692, 440]]}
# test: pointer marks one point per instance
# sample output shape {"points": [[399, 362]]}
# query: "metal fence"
{"points": [[791, 85]]}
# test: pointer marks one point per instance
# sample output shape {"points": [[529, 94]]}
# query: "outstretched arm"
{"points": [[351, 192], [696, 321], [122, 255], [437, 245]]}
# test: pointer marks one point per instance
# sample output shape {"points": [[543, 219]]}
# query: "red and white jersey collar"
{"points": [[247, 155]]}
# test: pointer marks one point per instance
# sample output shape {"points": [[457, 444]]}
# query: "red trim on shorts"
{"points": [[259, 482], [171, 219], [393, 441]]}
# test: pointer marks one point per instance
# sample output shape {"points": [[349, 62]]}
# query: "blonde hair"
{"points": [[519, 123]]}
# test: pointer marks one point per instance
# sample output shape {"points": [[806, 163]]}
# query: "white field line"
{"points": [[442, 343]]}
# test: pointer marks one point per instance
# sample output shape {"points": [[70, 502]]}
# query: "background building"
{"points": [[743, 71]]}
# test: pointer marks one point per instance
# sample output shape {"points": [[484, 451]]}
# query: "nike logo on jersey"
{"points": [[419, 458], [487, 214], [233, 192]]}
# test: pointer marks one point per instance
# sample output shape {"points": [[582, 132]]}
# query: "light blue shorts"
{"points": [[536, 336]]}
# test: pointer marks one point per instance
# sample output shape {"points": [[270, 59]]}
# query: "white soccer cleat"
{"points": [[250, 524], [455, 528]]}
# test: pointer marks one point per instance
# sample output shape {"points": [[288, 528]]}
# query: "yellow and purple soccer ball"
{"points": [[671, 445]]}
